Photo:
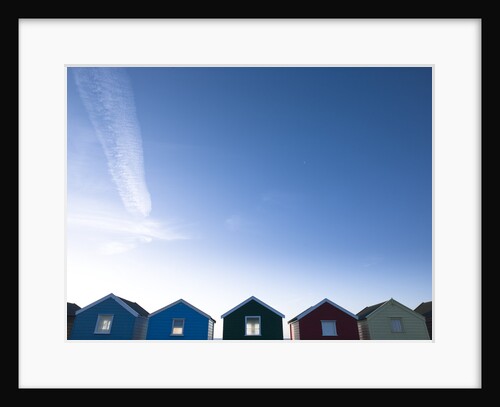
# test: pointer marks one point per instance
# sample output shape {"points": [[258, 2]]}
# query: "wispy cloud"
{"points": [[109, 100], [147, 228], [111, 248], [118, 235]]}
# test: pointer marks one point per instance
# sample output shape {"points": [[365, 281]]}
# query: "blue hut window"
{"points": [[252, 326], [103, 325], [178, 326]]}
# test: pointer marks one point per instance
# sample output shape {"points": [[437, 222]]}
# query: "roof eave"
{"points": [[114, 297], [256, 300]]}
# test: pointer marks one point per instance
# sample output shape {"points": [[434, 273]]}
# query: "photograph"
{"points": [[249, 203]]}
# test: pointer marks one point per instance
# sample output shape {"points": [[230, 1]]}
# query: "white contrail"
{"points": [[140, 229], [115, 234], [109, 100]]}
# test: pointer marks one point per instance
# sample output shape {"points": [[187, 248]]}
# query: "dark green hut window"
{"points": [[252, 326]]}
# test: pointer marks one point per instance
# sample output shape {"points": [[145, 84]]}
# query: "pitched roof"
{"points": [[185, 303], [326, 300], [132, 307], [136, 307], [252, 298], [424, 308], [300, 315], [368, 310], [72, 308]]}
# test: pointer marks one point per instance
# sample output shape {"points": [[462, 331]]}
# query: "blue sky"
{"points": [[291, 184]]}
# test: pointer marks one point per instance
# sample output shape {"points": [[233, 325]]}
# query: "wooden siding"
{"points": [[428, 323], [294, 331], [71, 320], [141, 328], [210, 329], [380, 324], [271, 324], [310, 324], [364, 332], [195, 324], [122, 327]]}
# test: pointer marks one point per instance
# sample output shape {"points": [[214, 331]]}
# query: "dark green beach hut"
{"points": [[252, 320]]}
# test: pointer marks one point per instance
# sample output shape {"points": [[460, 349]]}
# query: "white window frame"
{"points": [[260, 325], [400, 323], [334, 327], [97, 330], [173, 324]]}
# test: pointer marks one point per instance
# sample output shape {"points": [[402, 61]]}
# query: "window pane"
{"points": [[329, 328], [396, 325], [104, 323], [253, 326], [178, 327]]}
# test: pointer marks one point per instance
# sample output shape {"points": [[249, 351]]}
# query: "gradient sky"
{"points": [[291, 184]]}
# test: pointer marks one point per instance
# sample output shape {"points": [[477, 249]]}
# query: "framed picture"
{"points": [[215, 164]]}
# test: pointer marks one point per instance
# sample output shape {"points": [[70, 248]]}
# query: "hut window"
{"points": [[396, 325], [329, 328], [252, 326], [103, 325], [177, 326]]}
